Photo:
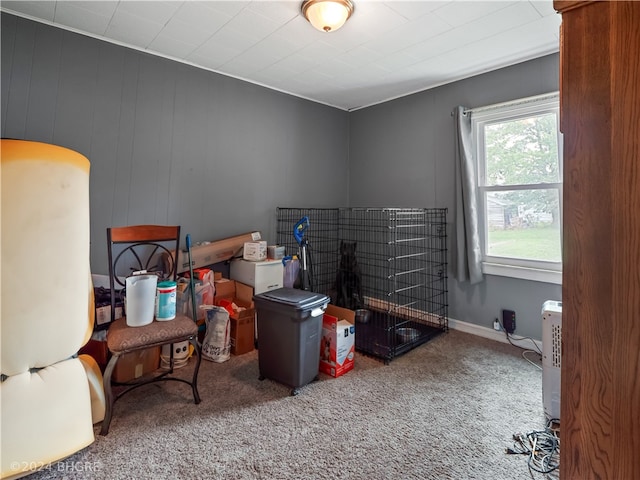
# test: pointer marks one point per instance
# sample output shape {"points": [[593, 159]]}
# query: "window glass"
{"points": [[524, 224], [519, 161], [522, 151]]}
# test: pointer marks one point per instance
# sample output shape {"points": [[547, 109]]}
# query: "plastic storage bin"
{"points": [[289, 328], [262, 276]]}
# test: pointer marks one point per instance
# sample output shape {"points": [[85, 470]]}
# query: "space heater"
{"points": [[551, 357]]}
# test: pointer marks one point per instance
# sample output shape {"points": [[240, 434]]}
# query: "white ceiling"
{"points": [[387, 49]]}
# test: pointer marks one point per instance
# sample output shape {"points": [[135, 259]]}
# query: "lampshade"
{"points": [[327, 15]]}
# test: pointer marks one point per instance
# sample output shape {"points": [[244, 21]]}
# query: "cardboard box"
{"points": [[337, 344], [242, 321], [103, 315], [255, 251], [225, 288], [102, 299], [213, 252], [136, 364], [275, 252], [242, 328]]}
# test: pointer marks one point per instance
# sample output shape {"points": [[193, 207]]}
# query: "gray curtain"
{"points": [[467, 258]]}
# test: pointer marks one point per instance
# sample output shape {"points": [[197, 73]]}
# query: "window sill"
{"points": [[525, 273]]}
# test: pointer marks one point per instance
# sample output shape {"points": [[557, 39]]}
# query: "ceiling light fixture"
{"points": [[327, 15]]}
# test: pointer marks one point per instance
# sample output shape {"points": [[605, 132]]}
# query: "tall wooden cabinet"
{"points": [[600, 120]]}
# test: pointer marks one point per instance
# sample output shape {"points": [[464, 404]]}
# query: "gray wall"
{"points": [[169, 143], [401, 153]]}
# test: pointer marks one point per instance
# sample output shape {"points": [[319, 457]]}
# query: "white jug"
{"points": [[140, 299]]}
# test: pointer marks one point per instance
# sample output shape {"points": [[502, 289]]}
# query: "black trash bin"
{"points": [[289, 329]]}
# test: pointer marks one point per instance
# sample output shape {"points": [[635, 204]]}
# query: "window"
{"points": [[519, 161]]}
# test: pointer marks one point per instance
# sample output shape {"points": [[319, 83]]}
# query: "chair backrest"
{"points": [[141, 247]]}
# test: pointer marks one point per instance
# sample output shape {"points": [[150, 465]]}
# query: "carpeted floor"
{"points": [[445, 410]]}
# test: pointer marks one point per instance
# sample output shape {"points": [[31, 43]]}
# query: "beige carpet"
{"points": [[445, 410]]}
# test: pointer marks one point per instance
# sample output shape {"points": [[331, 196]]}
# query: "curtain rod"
{"points": [[522, 101]]}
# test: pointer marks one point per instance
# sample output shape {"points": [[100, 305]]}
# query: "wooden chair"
{"points": [[135, 248]]}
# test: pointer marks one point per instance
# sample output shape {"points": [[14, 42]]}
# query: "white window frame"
{"points": [[550, 272]]}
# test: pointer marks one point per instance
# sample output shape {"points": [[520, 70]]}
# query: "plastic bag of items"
{"points": [[216, 345], [205, 290]]}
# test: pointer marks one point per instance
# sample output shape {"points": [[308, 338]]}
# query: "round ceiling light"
{"points": [[327, 15]]}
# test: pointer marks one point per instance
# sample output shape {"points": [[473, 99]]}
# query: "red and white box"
{"points": [[337, 343]]}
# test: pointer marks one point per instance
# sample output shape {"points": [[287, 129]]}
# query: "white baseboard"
{"points": [[490, 333]]}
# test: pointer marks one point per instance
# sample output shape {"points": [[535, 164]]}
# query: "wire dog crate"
{"points": [[388, 264], [323, 239]]}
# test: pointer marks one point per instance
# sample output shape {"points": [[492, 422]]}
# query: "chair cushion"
{"points": [[121, 338], [96, 387], [45, 416], [48, 233]]}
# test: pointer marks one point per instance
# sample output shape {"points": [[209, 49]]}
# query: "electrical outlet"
{"points": [[509, 320], [496, 325]]}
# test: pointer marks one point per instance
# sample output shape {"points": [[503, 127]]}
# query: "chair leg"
{"points": [[194, 382], [108, 393]]}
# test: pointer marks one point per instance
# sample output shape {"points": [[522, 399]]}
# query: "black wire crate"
{"points": [[387, 264], [322, 238]]}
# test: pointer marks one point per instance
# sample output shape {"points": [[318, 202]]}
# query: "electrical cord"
{"points": [[542, 448], [524, 355], [511, 338]]}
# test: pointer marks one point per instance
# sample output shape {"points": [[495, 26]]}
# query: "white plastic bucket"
{"points": [[166, 301], [140, 299]]}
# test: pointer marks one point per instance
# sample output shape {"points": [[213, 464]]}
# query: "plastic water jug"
{"points": [[291, 270], [140, 300]]}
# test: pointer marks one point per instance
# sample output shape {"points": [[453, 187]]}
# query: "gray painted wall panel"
{"points": [[122, 207], [482, 303], [391, 164], [6, 60], [43, 96], [20, 78], [193, 156], [179, 167], [402, 153], [147, 134], [75, 92], [169, 143], [164, 160], [104, 137]]}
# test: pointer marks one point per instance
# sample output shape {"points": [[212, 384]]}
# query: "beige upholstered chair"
{"points": [[150, 248], [50, 398]]}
